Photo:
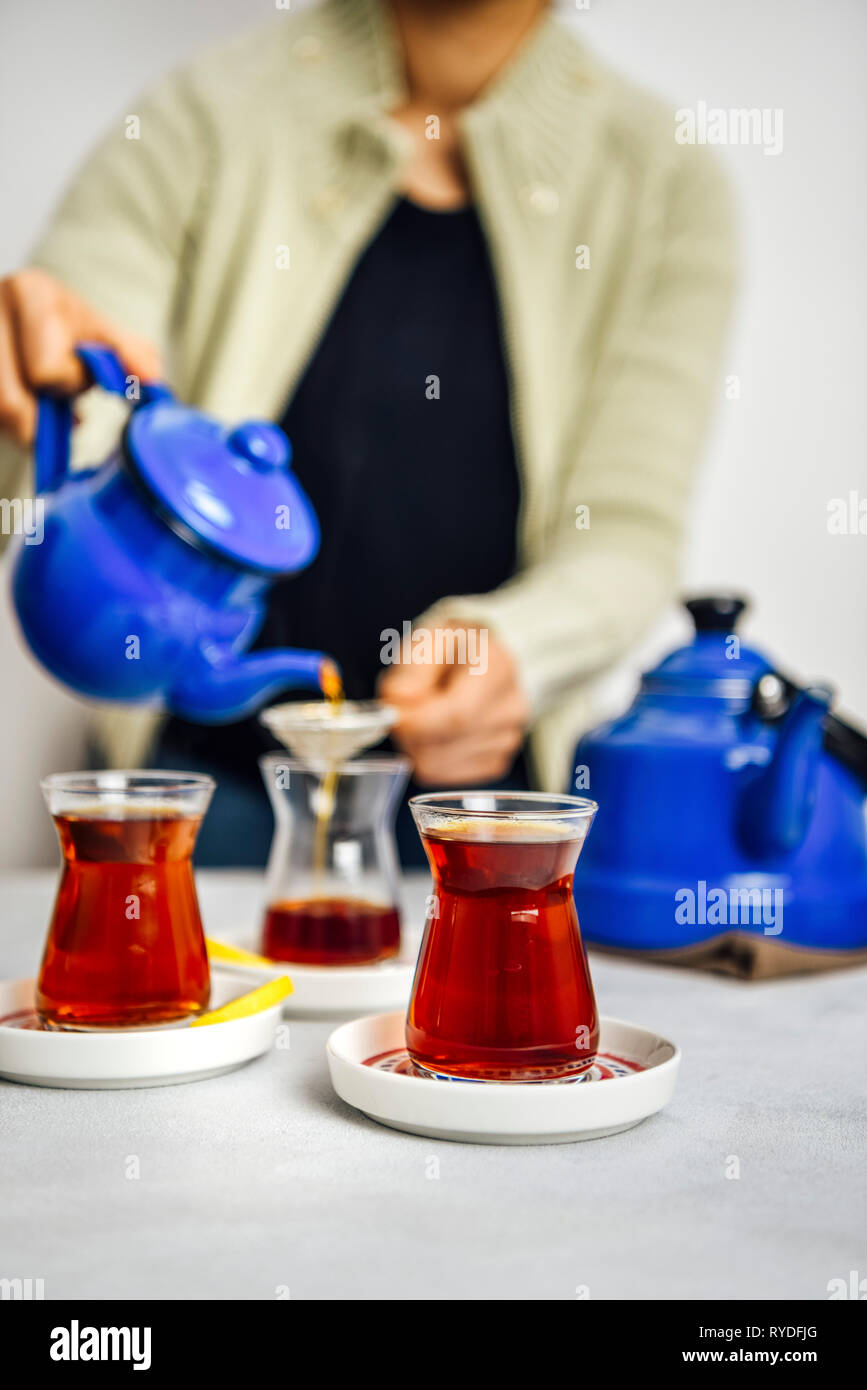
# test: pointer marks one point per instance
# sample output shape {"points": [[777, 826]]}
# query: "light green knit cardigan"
{"points": [[227, 229]]}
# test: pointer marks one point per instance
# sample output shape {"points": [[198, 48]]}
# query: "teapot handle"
{"points": [[54, 413], [773, 697]]}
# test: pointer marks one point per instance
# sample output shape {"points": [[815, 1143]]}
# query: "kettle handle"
{"points": [[54, 413], [774, 695]]}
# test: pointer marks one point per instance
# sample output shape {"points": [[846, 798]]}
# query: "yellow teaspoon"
{"points": [[265, 997]]}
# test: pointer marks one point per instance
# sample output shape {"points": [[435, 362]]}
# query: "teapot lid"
{"points": [[229, 491], [716, 662]]}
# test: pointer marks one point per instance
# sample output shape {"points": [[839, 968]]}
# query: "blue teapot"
{"points": [[153, 570], [732, 809]]}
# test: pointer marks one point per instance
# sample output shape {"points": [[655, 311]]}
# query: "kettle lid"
{"points": [[716, 662], [229, 491]]}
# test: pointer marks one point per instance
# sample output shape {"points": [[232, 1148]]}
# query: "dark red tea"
{"points": [[125, 947], [502, 991], [331, 931]]}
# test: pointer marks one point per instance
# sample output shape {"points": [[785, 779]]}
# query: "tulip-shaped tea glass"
{"points": [[502, 991], [125, 946], [332, 879]]}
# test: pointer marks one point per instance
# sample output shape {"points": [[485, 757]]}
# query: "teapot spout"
{"points": [[220, 686], [778, 807]]}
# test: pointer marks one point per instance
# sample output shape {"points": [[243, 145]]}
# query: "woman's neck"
{"points": [[451, 50]]}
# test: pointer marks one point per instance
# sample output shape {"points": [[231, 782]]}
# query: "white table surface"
{"points": [[263, 1180]]}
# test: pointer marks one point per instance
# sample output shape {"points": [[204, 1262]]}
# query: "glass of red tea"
{"points": [[502, 990], [125, 946], [332, 878]]}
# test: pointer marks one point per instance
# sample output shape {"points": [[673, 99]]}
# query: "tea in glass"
{"points": [[332, 879], [125, 946], [502, 990], [331, 931]]}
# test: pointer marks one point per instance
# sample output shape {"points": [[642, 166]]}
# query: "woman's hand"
{"points": [[41, 321], [461, 724]]}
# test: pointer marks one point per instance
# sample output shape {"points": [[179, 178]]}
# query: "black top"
{"points": [[401, 434], [402, 439]]}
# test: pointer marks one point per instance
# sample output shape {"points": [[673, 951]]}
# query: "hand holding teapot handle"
{"points": [[42, 322]]}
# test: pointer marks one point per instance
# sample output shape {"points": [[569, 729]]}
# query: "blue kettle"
{"points": [[152, 572], [732, 826]]}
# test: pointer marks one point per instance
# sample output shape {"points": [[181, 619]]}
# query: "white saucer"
{"points": [[330, 989], [634, 1078], [108, 1061]]}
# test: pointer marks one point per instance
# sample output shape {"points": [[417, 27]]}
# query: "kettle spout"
{"points": [[778, 807], [219, 686]]}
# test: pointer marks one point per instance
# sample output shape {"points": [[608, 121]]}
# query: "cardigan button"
{"points": [[308, 49], [543, 200], [327, 201]]}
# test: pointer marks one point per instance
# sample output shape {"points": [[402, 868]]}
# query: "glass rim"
{"points": [[545, 806], [307, 711], [380, 762], [130, 782]]}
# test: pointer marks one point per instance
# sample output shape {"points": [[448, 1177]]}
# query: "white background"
{"points": [[794, 439]]}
